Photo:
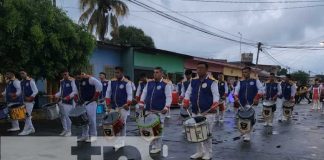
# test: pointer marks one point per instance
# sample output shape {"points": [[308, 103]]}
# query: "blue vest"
{"points": [[186, 85], [104, 89], [10, 88], [221, 88], [26, 88], [201, 96], [179, 88], [248, 91], [86, 90], [155, 97], [271, 90], [286, 90], [66, 90], [118, 93]]}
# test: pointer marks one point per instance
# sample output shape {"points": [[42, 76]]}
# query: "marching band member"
{"points": [[104, 82], [185, 84], [66, 93], [223, 92], [119, 97], [203, 94], [29, 92], [89, 89], [316, 91], [12, 96], [141, 84], [179, 86], [272, 91], [157, 98], [248, 91], [288, 91]]}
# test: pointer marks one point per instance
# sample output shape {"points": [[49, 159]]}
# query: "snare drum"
{"points": [[268, 108], [79, 116], [51, 111], [287, 108], [196, 129], [17, 112], [112, 124], [246, 119], [3, 111], [149, 126]]}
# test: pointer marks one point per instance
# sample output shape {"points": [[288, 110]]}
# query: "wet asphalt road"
{"points": [[301, 138]]}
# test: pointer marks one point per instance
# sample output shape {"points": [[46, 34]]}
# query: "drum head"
{"points": [[268, 103], [245, 114], [288, 104], [77, 111], [194, 120], [148, 120], [16, 105], [49, 104], [111, 118]]}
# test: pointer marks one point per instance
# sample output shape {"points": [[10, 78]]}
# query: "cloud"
{"points": [[282, 27]]}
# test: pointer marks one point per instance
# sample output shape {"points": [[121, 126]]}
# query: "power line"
{"points": [[238, 11], [249, 2], [172, 18], [286, 66], [199, 22]]}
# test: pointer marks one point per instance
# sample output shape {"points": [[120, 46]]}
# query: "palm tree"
{"points": [[102, 15]]}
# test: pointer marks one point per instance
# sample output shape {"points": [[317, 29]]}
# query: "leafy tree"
{"points": [[132, 36], [282, 71], [102, 15], [42, 39], [301, 77]]}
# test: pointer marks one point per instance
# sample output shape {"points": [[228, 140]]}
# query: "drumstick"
{"points": [[188, 113]]}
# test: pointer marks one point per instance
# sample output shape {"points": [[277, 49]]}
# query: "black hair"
{"points": [[159, 68], [188, 72], [247, 68], [103, 73], [204, 63], [272, 74], [288, 76], [121, 69], [142, 75]]}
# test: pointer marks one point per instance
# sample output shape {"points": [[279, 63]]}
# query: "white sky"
{"points": [[278, 27]]}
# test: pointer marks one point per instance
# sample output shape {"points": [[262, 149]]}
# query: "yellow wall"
{"points": [[232, 72]]}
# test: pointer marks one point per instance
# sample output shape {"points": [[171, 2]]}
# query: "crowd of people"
{"points": [[201, 95]]}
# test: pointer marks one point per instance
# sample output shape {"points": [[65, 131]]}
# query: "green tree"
{"points": [[42, 39], [102, 15], [132, 36], [301, 77], [282, 71]]}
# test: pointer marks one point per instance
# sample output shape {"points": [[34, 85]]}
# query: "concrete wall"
{"points": [[170, 63], [103, 57]]}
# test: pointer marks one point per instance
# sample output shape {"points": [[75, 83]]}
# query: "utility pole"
{"points": [[259, 49], [54, 3], [240, 41]]}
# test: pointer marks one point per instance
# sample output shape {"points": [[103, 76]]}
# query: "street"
{"points": [[301, 138]]}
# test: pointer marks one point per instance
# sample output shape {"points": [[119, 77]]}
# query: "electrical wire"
{"points": [[239, 11], [249, 2], [172, 18]]}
